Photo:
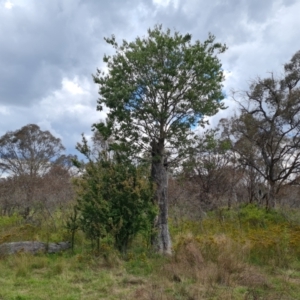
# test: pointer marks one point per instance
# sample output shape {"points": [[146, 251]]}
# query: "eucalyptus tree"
{"points": [[28, 154], [211, 167], [267, 133], [157, 88]]}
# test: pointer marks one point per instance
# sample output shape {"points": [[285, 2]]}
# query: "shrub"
{"points": [[114, 197]]}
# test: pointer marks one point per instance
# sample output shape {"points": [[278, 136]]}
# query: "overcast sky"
{"points": [[50, 48]]}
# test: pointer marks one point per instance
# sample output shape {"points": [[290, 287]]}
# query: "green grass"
{"points": [[245, 253], [58, 277]]}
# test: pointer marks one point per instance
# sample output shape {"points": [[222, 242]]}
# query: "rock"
{"points": [[57, 247], [33, 247]]}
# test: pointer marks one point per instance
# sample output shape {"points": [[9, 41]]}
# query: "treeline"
{"points": [[35, 172], [145, 160]]}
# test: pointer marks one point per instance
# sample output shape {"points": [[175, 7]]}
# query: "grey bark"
{"points": [[271, 197], [159, 174]]}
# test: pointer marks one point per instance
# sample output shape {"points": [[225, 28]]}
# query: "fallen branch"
{"points": [[33, 247]]}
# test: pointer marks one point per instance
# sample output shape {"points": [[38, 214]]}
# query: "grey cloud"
{"points": [[43, 42], [229, 20], [259, 10], [46, 40]]}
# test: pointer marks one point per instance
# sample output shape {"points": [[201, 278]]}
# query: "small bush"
{"points": [[6, 221], [259, 217]]}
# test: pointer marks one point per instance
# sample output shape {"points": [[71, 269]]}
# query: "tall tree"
{"points": [[157, 88], [244, 151], [267, 133], [28, 154], [208, 168]]}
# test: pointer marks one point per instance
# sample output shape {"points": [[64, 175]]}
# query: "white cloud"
{"points": [[72, 99], [72, 86], [4, 110], [66, 112], [166, 3], [8, 5]]}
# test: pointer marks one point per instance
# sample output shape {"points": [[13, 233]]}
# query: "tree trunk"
{"points": [[29, 192], [271, 201], [162, 240]]}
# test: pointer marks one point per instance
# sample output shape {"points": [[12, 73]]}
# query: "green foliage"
{"points": [[254, 234], [114, 198], [156, 89], [42, 228], [130, 206], [260, 217], [6, 221], [92, 206], [249, 216], [159, 86]]}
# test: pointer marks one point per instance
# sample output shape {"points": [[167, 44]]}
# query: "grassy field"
{"points": [[245, 253]]}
